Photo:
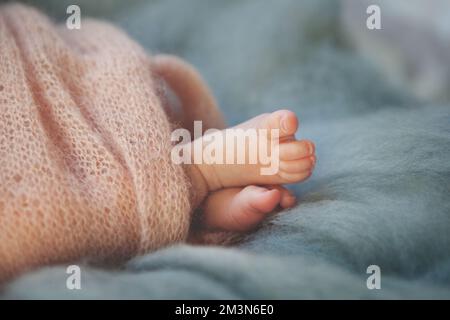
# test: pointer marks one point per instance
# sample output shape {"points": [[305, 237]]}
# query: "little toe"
{"points": [[294, 177], [300, 165]]}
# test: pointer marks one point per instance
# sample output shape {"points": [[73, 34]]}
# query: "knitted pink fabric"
{"points": [[85, 146]]}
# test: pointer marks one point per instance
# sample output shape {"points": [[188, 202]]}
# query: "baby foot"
{"points": [[237, 209], [296, 159]]}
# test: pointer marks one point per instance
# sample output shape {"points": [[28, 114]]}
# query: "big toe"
{"points": [[260, 199], [284, 120], [251, 205]]}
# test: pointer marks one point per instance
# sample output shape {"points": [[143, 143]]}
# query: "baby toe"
{"points": [[294, 150], [294, 177], [300, 165], [284, 120], [260, 199], [288, 199]]}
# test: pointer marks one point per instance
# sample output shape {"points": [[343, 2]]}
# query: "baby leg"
{"points": [[197, 101]]}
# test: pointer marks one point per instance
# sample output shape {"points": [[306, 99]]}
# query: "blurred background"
{"points": [[259, 55]]}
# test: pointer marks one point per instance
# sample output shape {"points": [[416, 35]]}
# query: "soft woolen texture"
{"points": [[380, 190], [84, 147]]}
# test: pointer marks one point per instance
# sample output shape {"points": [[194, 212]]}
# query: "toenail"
{"points": [[313, 160], [311, 148], [285, 124]]}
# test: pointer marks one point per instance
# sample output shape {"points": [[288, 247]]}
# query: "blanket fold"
{"points": [[84, 146]]}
